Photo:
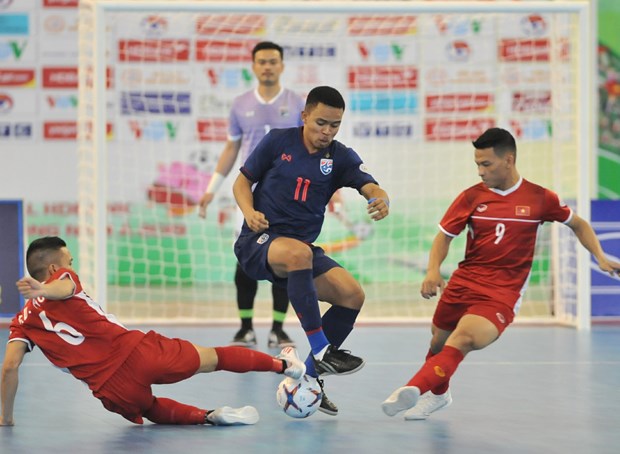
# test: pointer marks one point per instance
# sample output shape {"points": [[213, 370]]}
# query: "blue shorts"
{"points": [[251, 251]]}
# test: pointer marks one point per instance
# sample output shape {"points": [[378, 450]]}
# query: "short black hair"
{"points": [[324, 95], [497, 138], [267, 45], [41, 253]]}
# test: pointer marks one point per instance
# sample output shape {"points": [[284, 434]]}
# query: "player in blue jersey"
{"points": [[253, 114], [296, 171]]}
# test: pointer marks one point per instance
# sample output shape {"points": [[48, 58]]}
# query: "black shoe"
{"points": [[279, 339], [338, 362], [244, 338], [327, 406]]}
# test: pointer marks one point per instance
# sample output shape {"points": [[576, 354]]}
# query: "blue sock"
{"points": [[304, 300]]}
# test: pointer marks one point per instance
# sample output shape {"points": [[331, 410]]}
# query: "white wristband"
{"points": [[215, 182]]}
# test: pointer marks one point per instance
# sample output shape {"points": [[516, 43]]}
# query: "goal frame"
{"points": [[92, 188]]}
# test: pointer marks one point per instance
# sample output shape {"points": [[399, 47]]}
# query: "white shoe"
{"points": [[296, 368], [428, 403], [228, 416], [402, 399]]}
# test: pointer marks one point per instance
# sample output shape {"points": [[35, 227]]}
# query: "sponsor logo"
{"points": [[16, 130], [387, 102], [521, 210], [394, 77], [444, 77], [532, 101], [534, 25], [136, 77], [55, 24], [537, 49], [439, 371], [14, 24], [215, 50], [212, 130], [535, 129], [439, 130], [310, 51], [231, 24], [155, 130], [382, 25], [326, 166], [60, 77], [61, 3], [297, 25], [383, 129], [12, 50], [501, 318], [5, 3], [178, 103], [6, 104], [154, 26], [457, 26], [263, 238], [213, 105], [62, 102], [153, 50], [17, 78], [481, 208], [458, 51], [381, 52], [459, 102], [229, 77], [60, 130], [286, 157]]}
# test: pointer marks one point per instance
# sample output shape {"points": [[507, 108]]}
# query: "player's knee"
{"points": [[298, 258], [355, 297]]}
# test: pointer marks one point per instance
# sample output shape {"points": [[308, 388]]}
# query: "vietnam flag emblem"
{"points": [[521, 210]]}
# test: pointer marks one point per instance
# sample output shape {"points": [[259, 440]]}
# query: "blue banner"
{"points": [[12, 262], [606, 289]]}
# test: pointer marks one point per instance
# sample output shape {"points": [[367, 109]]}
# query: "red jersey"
{"points": [[75, 333], [502, 230]]}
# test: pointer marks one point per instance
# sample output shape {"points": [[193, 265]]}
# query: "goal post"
{"points": [[421, 80]]}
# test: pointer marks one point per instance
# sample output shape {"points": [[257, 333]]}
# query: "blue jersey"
{"points": [[294, 187]]}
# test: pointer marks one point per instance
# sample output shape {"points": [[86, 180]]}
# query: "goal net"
{"points": [[421, 81]]}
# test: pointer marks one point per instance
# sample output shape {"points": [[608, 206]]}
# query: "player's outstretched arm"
{"points": [[587, 237], [242, 189], [433, 279], [378, 201], [15, 352], [55, 290], [222, 169]]}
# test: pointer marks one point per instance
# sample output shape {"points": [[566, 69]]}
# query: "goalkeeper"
{"points": [[296, 171], [118, 365], [503, 214], [252, 115]]}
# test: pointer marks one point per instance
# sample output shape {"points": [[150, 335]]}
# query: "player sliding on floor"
{"points": [[503, 215], [118, 365]]}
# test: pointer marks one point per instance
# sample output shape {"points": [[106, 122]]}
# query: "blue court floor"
{"points": [[536, 390]]}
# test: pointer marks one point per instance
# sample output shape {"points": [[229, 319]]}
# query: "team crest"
{"points": [[326, 166], [263, 238], [481, 208]]}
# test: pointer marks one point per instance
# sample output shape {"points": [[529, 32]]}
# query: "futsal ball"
{"points": [[299, 398]]}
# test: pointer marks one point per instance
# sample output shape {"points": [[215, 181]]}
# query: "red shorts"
{"points": [[457, 302], [155, 360]]}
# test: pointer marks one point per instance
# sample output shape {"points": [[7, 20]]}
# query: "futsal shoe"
{"points": [[228, 416], [402, 399], [295, 367], [244, 338], [338, 362], [428, 403], [279, 339], [327, 406]]}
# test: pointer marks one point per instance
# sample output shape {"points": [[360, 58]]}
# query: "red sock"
{"points": [[168, 411], [443, 388], [437, 369], [241, 359]]}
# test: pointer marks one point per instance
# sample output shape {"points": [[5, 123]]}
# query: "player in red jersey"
{"points": [[503, 215], [118, 365]]}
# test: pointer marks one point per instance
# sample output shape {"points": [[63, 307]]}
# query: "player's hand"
{"points": [[609, 266], [29, 287], [431, 283], [205, 200], [378, 208], [257, 222]]}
